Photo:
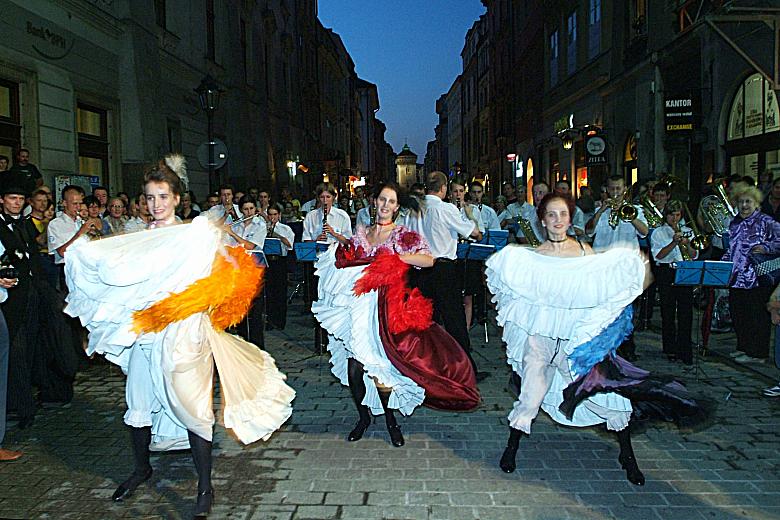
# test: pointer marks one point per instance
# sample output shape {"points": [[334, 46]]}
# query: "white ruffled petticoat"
{"points": [[567, 299], [353, 332], [171, 373]]}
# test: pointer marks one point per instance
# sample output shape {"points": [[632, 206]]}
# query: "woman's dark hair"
{"points": [[672, 206], [161, 173], [245, 199], [547, 199], [90, 200]]}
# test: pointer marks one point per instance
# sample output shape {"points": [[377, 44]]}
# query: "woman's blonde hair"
{"points": [[748, 191]]}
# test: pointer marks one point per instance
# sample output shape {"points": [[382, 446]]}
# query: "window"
{"points": [[159, 13], [10, 128], [210, 47], [571, 43], [594, 29], [554, 57], [92, 128], [638, 12]]}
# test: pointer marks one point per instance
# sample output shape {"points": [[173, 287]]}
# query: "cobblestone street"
{"points": [[75, 457]]}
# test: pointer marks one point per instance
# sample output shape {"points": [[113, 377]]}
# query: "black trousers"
{"points": [[676, 314], [751, 320], [443, 284], [276, 291]]}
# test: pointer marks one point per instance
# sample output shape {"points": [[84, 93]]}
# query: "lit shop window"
{"points": [[10, 128]]}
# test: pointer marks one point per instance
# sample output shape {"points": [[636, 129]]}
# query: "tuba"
{"points": [[717, 209]]}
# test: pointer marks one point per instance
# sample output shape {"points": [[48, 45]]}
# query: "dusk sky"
{"points": [[411, 50]]}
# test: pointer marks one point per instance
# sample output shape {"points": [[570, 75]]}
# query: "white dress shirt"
{"points": [[577, 221], [308, 206], [528, 212], [135, 224], [285, 231], [3, 290], [662, 237], [477, 216], [624, 235], [253, 232], [441, 225], [60, 231], [487, 215], [337, 218]]}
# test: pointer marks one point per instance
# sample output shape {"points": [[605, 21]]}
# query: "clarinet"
{"points": [[371, 215], [324, 219]]}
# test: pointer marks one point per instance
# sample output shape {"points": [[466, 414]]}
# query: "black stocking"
{"points": [[396, 438], [201, 456], [357, 386]]}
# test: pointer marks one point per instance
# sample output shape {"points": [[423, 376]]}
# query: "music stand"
{"points": [[272, 247], [497, 237], [480, 252], [306, 252], [702, 273]]}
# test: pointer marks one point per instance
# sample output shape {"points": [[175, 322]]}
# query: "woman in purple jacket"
{"points": [[751, 231]]}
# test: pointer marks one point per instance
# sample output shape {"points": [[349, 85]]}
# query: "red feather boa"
{"points": [[407, 308]]}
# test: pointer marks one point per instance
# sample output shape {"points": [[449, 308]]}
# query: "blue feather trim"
{"points": [[605, 343]]}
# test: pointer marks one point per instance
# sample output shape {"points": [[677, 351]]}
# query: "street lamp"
{"points": [[208, 94]]}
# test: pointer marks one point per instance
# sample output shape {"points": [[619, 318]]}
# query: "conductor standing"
{"points": [[442, 223]]}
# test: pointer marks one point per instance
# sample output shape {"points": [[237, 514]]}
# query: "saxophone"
{"points": [[525, 226]]}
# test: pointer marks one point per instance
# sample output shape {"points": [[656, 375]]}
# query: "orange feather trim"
{"points": [[226, 295]]}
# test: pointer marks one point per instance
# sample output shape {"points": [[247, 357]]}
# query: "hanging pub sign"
{"points": [[680, 113], [595, 148]]}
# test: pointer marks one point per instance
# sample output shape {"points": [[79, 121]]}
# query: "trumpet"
{"points": [[622, 209], [686, 256], [653, 215]]}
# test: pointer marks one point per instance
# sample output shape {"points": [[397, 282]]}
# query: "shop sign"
{"points": [[49, 42], [595, 150], [679, 112]]}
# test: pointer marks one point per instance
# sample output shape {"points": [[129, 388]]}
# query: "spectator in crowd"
{"points": [[417, 190], [771, 204], [586, 202], [95, 214], [508, 190], [39, 202], [69, 226], [237, 196], [287, 196], [751, 231], [83, 211], [500, 207], [310, 205], [186, 211], [290, 214], [577, 228], [126, 199], [115, 222], [254, 192], [211, 201], [360, 195], [6, 284], [766, 181], [276, 275], [143, 217], [49, 214], [773, 306], [3, 164], [30, 176], [101, 194]]}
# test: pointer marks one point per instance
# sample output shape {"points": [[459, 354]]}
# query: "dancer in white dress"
{"points": [[156, 303], [564, 313]]}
